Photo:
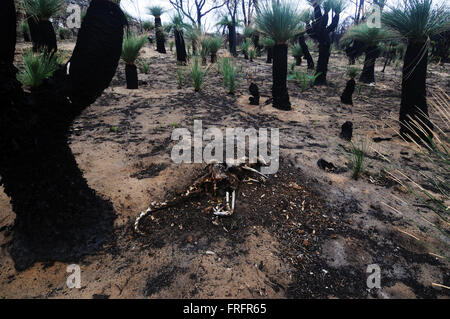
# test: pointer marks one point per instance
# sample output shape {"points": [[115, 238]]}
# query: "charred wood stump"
{"points": [[347, 131], [368, 72], [347, 95], [131, 76], [280, 93], [306, 53], [58, 216], [254, 91], [180, 46], [269, 55]]}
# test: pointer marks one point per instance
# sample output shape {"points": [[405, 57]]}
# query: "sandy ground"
{"points": [[131, 166]]}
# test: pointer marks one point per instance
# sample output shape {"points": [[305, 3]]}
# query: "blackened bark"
{"points": [[306, 53], [131, 76], [368, 72], [58, 217], [298, 61], [160, 42], [180, 46], [213, 57], [43, 35], [279, 74], [414, 104], [232, 39], [254, 91], [269, 55], [8, 32], [346, 96], [26, 37], [322, 63], [34, 32]]}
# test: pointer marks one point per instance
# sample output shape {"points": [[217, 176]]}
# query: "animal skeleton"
{"points": [[218, 175]]}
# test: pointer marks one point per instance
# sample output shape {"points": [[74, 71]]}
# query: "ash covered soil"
{"points": [[304, 233]]}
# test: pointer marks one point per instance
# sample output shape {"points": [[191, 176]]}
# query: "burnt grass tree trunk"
{"points": [[58, 217], [414, 103], [320, 32], [160, 45], [368, 72], [43, 35], [232, 39], [180, 46], [131, 76], [279, 73], [269, 54], [347, 95], [306, 53]]}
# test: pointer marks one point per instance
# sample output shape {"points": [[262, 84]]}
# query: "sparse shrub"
{"points": [[197, 74], [131, 46], [180, 77], [148, 26], [37, 67], [171, 44], [229, 71], [305, 79], [214, 44], [244, 47], [297, 53], [352, 72], [144, 66], [252, 54], [357, 156]]}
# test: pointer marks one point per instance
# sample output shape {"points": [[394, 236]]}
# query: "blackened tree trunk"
{"points": [[368, 72], [43, 35], [213, 57], [232, 39], [298, 61], [279, 74], [160, 41], [26, 37], [306, 53], [320, 31], [322, 63], [269, 55], [131, 76], [58, 217], [414, 104], [180, 46], [346, 96]]}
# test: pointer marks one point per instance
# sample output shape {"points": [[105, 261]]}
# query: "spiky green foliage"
{"points": [[177, 23], [148, 26], [204, 47], [252, 54], [278, 20], [229, 71], [417, 20], [144, 66], [131, 46], [352, 72], [370, 36], [306, 16], [24, 27], [336, 5], [296, 51], [197, 74], [245, 46], [267, 42], [156, 11], [248, 32], [226, 21], [358, 153], [37, 67], [42, 9], [305, 79], [213, 44]]}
